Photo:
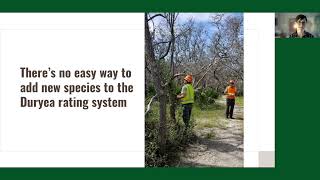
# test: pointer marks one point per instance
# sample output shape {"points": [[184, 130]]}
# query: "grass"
{"points": [[239, 101], [210, 117]]}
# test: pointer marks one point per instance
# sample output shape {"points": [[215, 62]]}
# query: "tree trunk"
{"points": [[172, 86], [173, 101], [160, 90]]}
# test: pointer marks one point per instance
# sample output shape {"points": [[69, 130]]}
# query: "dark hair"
{"points": [[301, 17]]}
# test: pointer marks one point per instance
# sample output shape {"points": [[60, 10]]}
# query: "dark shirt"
{"points": [[306, 35]]}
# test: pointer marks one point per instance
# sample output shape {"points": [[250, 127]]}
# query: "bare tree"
{"points": [[155, 71], [175, 49]]}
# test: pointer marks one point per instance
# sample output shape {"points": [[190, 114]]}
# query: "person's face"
{"points": [[185, 82], [231, 84], [301, 24]]}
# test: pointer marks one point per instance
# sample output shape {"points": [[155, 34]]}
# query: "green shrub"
{"points": [[153, 157], [205, 97], [150, 91], [177, 138]]}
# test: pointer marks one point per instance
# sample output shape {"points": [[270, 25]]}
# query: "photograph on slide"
{"points": [[194, 89]]}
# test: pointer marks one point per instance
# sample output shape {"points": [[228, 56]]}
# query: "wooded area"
{"points": [[211, 50]]}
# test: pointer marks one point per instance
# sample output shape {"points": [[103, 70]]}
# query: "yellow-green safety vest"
{"points": [[189, 97]]}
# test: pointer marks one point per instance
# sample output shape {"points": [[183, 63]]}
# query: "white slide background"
{"points": [[259, 86]]}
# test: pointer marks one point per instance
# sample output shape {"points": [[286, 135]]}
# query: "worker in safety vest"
{"points": [[187, 99], [230, 92]]}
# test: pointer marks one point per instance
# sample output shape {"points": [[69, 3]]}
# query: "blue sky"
{"points": [[199, 18], [202, 18]]}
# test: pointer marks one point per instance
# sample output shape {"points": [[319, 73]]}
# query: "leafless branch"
{"points": [[156, 15], [149, 104], [167, 51]]}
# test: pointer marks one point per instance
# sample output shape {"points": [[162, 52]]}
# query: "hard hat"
{"points": [[188, 78]]}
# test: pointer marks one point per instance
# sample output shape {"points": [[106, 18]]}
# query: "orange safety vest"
{"points": [[232, 90]]}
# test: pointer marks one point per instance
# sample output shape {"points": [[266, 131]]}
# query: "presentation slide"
{"points": [[158, 90]]}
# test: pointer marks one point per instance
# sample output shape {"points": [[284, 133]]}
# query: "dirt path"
{"points": [[218, 146]]}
